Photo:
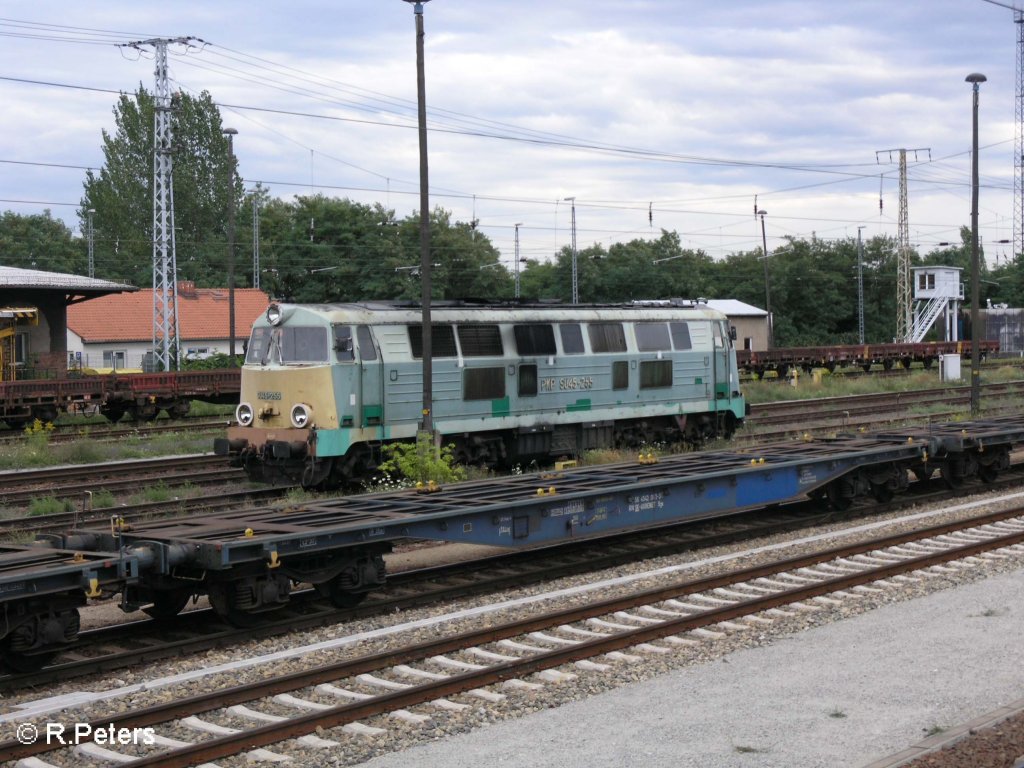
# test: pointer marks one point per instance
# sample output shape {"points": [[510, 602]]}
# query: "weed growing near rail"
{"points": [[49, 505], [421, 462]]}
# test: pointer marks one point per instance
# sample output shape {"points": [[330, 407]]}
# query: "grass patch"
{"points": [[49, 505], [158, 492], [748, 750], [103, 499], [837, 713], [934, 730]]}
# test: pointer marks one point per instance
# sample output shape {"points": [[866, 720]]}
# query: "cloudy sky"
{"points": [[652, 114]]}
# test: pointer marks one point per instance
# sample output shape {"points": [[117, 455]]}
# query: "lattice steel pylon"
{"points": [[904, 296], [165, 264]]}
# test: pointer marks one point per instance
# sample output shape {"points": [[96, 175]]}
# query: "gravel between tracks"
{"points": [[782, 686]]}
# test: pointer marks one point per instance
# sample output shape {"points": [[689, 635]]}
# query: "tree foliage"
{"points": [[39, 241], [121, 193]]}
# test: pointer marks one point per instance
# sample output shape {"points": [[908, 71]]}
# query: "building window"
{"points": [[483, 383], [480, 341], [572, 338], [606, 337], [534, 339], [655, 374], [114, 358], [527, 380], [620, 375]]}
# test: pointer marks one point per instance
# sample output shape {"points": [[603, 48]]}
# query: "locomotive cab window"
{"points": [[344, 348], [480, 341], [606, 337], [367, 350], [534, 339], [572, 338], [259, 345], [483, 383], [680, 336], [652, 337], [442, 341], [300, 344]]}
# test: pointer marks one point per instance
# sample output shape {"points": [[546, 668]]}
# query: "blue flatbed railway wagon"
{"points": [[325, 386], [247, 561]]}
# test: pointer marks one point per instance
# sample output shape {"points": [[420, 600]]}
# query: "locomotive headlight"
{"points": [[302, 415], [274, 314], [244, 414]]}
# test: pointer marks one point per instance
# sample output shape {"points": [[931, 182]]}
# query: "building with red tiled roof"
{"points": [[117, 331]]}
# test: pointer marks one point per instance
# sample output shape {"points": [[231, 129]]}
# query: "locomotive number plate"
{"points": [[268, 395]]}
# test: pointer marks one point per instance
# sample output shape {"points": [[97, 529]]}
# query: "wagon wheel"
{"points": [[168, 603], [952, 473], [881, 492], [988, 473], [339, 597], [840, 494]]}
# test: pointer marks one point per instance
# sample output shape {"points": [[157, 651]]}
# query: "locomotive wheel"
{"points": [[168, 603]]}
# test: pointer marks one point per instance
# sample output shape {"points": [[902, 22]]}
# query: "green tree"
{"points": [[121, 193], [39, 241]]}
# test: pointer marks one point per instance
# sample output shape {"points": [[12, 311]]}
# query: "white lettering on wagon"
{"points": [[646, 502], [572, 508]]}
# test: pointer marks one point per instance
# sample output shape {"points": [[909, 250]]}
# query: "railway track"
{"points": [[141, 642], [330, 703], [18, 488]]}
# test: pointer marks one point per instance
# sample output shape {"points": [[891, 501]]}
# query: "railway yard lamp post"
{"points": [[92, 240], [767, 286], [517, 257], [427, 424], [975, 79], [575, 274], [231, 133]]}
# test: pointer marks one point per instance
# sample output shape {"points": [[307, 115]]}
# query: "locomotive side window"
{"points": [[344, 349], [534, 339], [652, 337], [655, 374], [680, 336], [572, 338], [259, 344], [367, 349], [620, 375], [483, 383], [442, 341], [480, 341], [606, 337], [301, 344], [527, 380]]}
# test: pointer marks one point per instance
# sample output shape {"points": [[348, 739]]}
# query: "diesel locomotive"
{"points": [[325, 386]]}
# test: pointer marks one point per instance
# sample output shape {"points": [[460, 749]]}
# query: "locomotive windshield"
{"points": [[291, 344]]}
